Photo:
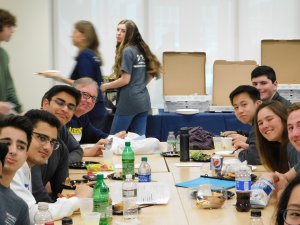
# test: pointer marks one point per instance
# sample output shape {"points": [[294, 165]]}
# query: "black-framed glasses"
{"points": [[87, 96], [44, 139], [63, 103], [291, 216]]}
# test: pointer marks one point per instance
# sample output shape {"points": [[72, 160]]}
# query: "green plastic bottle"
{"points": [[128, 161], [101, 200]]}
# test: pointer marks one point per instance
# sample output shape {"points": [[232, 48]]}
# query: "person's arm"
{"points": [[120, 82], [57, 77], [38, 188], [75, 151], [250, 154]]}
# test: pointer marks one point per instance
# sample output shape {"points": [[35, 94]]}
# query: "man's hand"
{"points": [[240, 145], [5, 108], [122, 134], [96, 150]]}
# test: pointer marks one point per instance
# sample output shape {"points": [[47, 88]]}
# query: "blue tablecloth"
{"points": [[158, 126]]}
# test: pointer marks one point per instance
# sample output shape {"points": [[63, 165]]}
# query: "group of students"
{"points": [[274, 138], [42, 142]]}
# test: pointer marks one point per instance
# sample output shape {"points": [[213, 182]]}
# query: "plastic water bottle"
{"points": [[144, 171], [42, 215], [178, 142], [101, 200], [171, 142], [243, 188], [128, 161], [255, 218], [129, 193]]}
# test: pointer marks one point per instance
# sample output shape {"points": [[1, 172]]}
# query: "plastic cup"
{"points": [[217, 143], [91, 218], [108, 157], [227, 143], [86, 206]]}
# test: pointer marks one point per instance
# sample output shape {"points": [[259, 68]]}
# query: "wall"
{"points": [[225, 30], [29, 49]]}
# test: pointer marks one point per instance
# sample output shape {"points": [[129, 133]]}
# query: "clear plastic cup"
{"points": [[227, 143], [108, 157], [91, 218], [86, 206], [217, 143]]}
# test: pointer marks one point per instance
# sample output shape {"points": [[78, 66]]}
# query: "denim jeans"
{"points": [[133, 123]]}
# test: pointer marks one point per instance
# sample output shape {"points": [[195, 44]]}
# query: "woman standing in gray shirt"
{"points": [[135, 66]]}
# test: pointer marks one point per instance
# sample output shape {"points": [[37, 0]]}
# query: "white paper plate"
{"points": [[225, 153], [50, 71], [87, 145], [187, 111]]}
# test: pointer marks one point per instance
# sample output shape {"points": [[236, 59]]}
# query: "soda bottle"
{"points": [[255, 218], [144, 171], [178, 142], [101, 199], [129, 193], [128, 161], [171, 142], [42, 215], [243, 188]]}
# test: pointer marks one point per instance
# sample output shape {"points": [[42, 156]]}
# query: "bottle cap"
{"points": [[100, 176], [43, 205], [127, 143], [255, 213], [171, 132], [67, 220], [144, 159], [49, 223], [184, 130]]}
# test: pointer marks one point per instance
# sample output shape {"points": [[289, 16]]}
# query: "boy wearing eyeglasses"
{"points": [[44, 142], [15, 133]]}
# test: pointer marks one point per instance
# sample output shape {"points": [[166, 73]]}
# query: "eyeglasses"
{"points": [[291, 216], [44, 139], [63, 103], [87, 96]]}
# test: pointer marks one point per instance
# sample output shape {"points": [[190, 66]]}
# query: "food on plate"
{"points": [[118, 206], [99, 167], [200, 156], [215, 201], [67, 195]]}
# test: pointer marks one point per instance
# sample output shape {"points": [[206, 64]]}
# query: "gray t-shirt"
{"points": [[293, 158], [13, 210], [133, 98]]}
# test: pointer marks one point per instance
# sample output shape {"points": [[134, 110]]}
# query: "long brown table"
{"points": [[181, 208]]}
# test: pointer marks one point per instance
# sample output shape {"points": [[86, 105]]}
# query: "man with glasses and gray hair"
{"points": [[80, 125], [44, 143]]}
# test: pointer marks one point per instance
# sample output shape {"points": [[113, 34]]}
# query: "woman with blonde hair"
{"points": [[135, 66], [88, 62]]}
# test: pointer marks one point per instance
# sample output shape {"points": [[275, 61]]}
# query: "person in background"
{"points": [[88, 62], [264, 79], [15, 132], [245, 100], [135, 66], [80, 126], [288, 207], [8, 97], [44, 142]]}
